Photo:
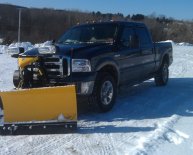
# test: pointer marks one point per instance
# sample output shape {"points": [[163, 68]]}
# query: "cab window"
{"points": [[143, 36], [129, 38]]}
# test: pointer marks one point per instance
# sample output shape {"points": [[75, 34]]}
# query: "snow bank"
{"points": [[3, 48], [45, 44], [1, 40], [178, 44], [184, 44], [14, 47], [25, 45]]}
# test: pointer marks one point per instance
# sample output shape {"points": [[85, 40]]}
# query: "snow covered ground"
{"points": [[145, 120], [3, 48]]}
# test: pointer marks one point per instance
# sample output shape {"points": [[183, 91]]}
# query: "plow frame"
{"points": [[38, 128]]}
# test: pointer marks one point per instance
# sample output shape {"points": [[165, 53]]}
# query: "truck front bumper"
{"points": [[84, 88], [84, 82]]}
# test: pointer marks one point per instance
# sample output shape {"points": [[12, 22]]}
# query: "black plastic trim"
{"points": [[38, 128]]}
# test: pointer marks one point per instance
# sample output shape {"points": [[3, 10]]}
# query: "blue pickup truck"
{"points": [[97, 58]]}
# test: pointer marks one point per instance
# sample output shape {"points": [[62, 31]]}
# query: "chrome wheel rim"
{"points": [[107, 92]]}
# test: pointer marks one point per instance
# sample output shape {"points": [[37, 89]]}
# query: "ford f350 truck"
{"points": [[97, 58]]}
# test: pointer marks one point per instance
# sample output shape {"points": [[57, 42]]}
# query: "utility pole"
{"points": [[19, 28]]}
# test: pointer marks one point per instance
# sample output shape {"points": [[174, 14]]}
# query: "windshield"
{"points": [[97, 33]]}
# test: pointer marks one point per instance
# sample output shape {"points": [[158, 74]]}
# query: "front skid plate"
{"points": [[38, 128]]}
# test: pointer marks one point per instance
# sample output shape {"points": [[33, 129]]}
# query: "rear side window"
{"points": [[128, 38], [143, 37]]}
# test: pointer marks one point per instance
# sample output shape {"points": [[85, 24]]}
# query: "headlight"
{"points": [[81, 65], [47, 50]]}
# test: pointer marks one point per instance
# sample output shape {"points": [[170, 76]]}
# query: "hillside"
{"points": [[38, 25]]}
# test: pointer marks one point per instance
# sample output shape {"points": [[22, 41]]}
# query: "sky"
{"points": [[178, 9]]}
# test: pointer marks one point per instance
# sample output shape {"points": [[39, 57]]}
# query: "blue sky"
{"points": [[178, 9]]}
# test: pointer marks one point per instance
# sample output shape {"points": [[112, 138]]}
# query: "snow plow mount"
{"points": [[38, 111]]}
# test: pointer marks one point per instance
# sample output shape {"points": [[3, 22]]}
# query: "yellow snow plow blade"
{"points": [[42, 105]]}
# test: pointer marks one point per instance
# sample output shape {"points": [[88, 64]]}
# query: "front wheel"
{"points": [[16, 78], [22, 79], [162, 76], [105, 92]]}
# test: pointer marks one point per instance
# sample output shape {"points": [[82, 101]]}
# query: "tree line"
{"points": [[39, 25]]}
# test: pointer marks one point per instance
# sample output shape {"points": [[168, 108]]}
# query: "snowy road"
{"points": [[145, 120]]}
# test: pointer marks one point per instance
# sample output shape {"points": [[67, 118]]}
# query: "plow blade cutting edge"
{"points": [[39, 110]]}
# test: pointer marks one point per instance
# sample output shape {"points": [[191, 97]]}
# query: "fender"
{"points": [[164, 53], [108, 62], [162, 57]]}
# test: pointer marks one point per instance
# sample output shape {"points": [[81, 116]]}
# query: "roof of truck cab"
{"points": [[124, 23]]}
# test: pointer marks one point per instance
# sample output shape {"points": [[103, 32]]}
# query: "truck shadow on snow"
{"points": [[141, 102]]}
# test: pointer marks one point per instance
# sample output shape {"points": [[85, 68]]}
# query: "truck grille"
{"points": [[57, 67]]}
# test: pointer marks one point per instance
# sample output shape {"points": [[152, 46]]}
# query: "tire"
{"points": [[105, 92], [16, 78], [22, 82], [162, 76]]}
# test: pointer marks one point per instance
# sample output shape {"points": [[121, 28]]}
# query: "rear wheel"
{"points": [[162, 76], [105, 92]]}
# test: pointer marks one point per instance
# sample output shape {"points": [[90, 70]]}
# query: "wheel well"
{"points": [[111, 70], [166, 59]]}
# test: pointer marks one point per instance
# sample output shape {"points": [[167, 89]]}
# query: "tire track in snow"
{"points": [[62, 146], [149, 143], [55, 144], [10, 144], [176, 137], [43, 144], [180, 66]]}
